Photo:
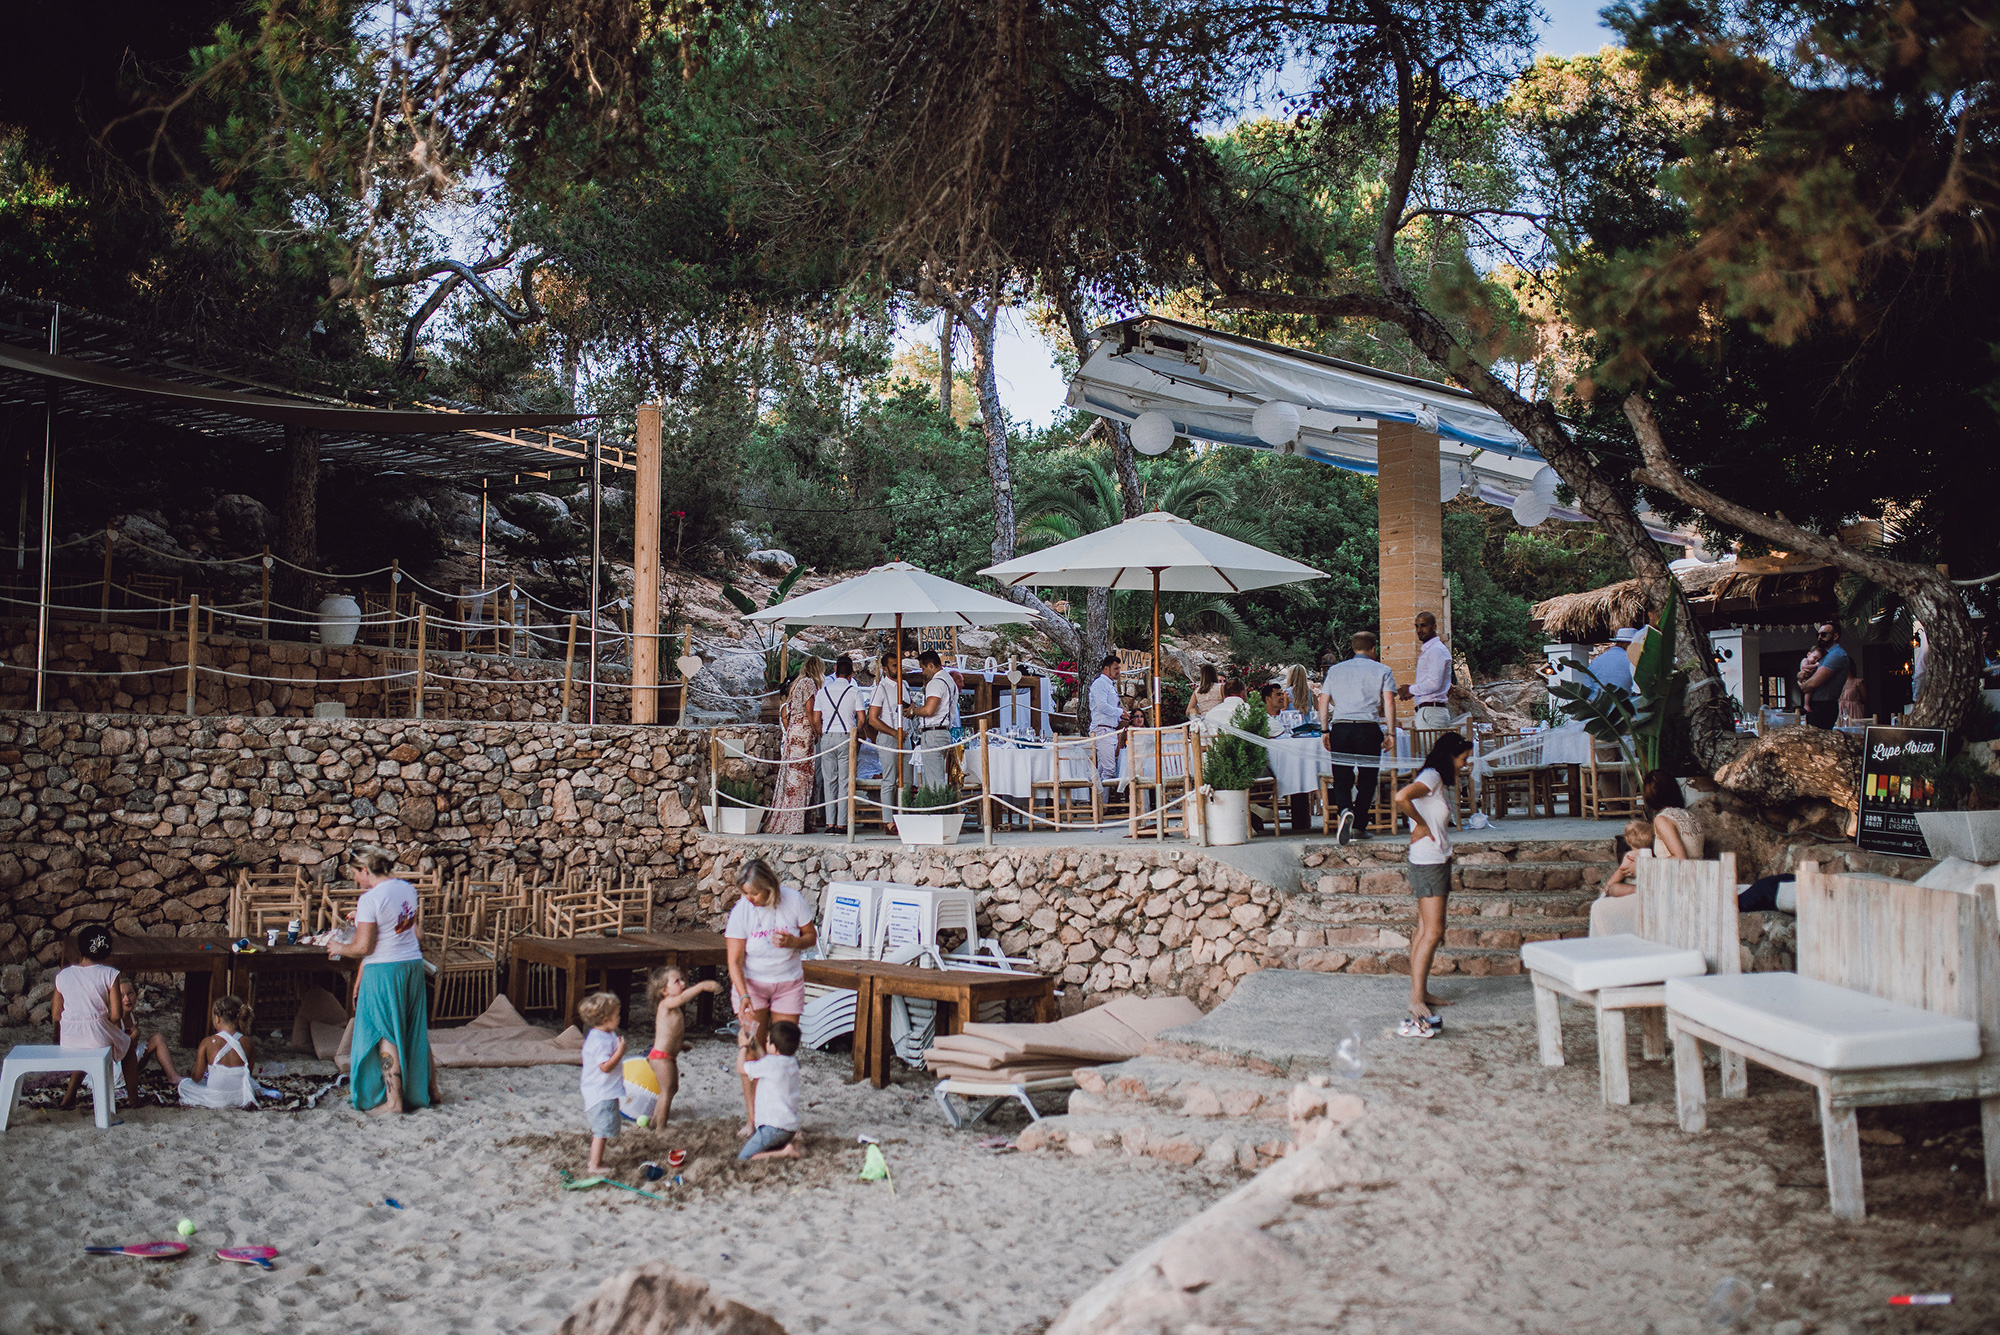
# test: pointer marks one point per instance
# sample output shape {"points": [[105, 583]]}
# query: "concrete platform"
{"points": [[1288, 1017]]}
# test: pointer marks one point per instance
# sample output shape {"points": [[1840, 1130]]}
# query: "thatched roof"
{"points": [[1722, 590]]}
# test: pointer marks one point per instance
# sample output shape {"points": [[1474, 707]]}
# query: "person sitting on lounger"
{"points": [[1617, 909]]}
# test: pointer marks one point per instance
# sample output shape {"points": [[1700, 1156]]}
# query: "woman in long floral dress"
{"points": [[795, 779]]}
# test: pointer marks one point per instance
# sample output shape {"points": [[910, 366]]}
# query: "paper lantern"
{"points": [[1454, 478], [1544, 483], [1276, 423], [1153, 433], [1530, 509]]}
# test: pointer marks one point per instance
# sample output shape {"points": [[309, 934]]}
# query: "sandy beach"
{"points": [[486, 1241]]}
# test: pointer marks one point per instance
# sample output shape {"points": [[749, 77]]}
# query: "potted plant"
{"points": [[735, 810], [1638, 722], [929, 816], [1229, 767]]}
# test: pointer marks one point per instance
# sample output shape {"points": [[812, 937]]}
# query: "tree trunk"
{"points": [[1131, 492], [980, 316], [1951, 676], [944, 366], [298, 530]]}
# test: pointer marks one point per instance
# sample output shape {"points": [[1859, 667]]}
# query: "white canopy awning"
{"points": [[1151, 551], [892, 595]]}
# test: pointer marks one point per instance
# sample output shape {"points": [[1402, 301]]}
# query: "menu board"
{"points": [[843, 920], [1892, 790]]}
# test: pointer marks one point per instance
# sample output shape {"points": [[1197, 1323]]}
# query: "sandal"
{"points": [[1416, 1026]]}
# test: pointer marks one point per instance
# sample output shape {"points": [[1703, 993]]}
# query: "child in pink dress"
{"points": [[87, 1008]]}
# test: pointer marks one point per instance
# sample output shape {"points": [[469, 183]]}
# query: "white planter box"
{"points": [[1972, 835], [733, 820], [1229, 816], [918, 828]]}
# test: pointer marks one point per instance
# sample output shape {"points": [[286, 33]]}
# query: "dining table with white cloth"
{"points": [[1017, 768], [1298, 762]]}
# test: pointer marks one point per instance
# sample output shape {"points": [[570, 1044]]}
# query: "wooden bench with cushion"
{"points": [[1687, 927], [1896, 1000]]}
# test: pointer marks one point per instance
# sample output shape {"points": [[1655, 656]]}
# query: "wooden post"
{"points": [[853, 765], [1197, 804], [423, 624], [104, 595], [194, 627], [264, 585], [1132, 783], [714, 781], [569, 668], [395, 583], [985, 784], [1159, 773], [646, 569]]}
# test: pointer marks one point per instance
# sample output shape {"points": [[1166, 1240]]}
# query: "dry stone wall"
{"points": [[143, 821], [131, 670]]}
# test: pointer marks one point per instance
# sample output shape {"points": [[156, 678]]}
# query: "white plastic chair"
{"points": [[848, 911], [25, 1060]]}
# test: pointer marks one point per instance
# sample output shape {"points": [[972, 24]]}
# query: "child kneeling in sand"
{"points": [[222, 1063], [603, 1071], [777, 1098], [667, 989]]}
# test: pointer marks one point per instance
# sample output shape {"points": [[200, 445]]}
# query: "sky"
{"points": [[1032, 388]]}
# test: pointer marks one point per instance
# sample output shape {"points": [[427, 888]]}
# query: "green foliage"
{"points": [[737, 793], [1642, 722], [1962, 782], [929, 798], [1489, 625], [1232, 762]]}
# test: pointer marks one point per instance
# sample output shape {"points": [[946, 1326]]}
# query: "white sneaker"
{"points": [[1343, 831]]}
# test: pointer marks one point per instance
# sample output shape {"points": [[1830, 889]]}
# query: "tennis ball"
{"points": [[185, 1228], [645, 1122]]}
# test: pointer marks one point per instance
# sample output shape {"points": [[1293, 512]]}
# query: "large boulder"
{"points": [[772, 563], [244, 522], [726, 684], [656, 1299]]}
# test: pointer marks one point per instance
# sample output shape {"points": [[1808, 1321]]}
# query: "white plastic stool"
{"points": [[95, 1063]]}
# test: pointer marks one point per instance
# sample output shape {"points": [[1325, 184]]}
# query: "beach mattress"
{"points": [[1590, 963], [1116, 1031], [1832, 1028]]}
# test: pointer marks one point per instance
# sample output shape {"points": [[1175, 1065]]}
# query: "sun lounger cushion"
{"points": [[1832, 1028], [1112, 1032], [1008, 1075], [1590, 963], [979, 1053], [499, 1037]]}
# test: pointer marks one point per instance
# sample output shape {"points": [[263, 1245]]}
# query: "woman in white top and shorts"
{"points": [[769, 928], [1426, 803]]}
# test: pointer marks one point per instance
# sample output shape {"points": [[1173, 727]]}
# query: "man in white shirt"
{"points": [[1223, 714], [836, 712], [1357, 710], [1107, 716], [1432, 688], [939, 713], [885, 715]]}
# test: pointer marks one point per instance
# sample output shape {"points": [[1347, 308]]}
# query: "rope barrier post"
{"points": [[395, 579], [853, 767], [1132, 783], [985, 784], [569, 669], [1159, 781], [423, 625], [104, 589], [714, 786], [1196, 799], [264, 595], [194, 628]]}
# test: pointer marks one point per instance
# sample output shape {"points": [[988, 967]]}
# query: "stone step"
{"points": [[1338, 910], [1228, 1144], [1391, 878], [1197, 1092]]}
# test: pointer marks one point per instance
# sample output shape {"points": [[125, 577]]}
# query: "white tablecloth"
{"points": [[1015, 768], [1569, 745], [1298, 762]]}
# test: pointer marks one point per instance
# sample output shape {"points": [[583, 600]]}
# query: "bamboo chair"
{"points": [[1072, 767], [467, 957], [262, 899], [1610, 784], [1159, 771]]}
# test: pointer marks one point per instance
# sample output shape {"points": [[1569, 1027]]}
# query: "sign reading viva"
{"points": [[1894, 789]]}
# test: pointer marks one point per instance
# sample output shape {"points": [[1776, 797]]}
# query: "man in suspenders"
{"points": [[835, 709]]}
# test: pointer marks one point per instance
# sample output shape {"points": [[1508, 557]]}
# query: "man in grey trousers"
{"points": [[835, 709]]}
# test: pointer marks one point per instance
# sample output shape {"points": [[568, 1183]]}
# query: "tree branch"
{"points": [[1952, 672]]}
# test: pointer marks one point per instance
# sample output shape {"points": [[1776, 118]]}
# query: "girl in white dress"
{"points": [[222, 1063]]}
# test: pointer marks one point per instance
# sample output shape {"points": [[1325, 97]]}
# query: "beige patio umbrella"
{"points": [[1158, 551]]}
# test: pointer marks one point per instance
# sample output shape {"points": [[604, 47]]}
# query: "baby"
{"points": [[668, 991], [603, 1071], [1638, 834]]}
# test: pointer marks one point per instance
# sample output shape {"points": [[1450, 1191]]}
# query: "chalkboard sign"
{"points": [[1892, 790]]}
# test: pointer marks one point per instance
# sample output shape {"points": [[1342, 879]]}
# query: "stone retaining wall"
{"points": [[143, 821], [302, 675]]}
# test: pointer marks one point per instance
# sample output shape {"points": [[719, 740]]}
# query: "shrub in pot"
{"points": [[735, 810], [929, 816], [1230, 765]]}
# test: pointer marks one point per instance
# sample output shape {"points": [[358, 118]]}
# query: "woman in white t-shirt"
{"points": [[769, 929], [392, 1043], [1426, 803]]}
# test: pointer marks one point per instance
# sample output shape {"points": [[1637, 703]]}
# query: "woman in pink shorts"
{"points": [[768, 929]]}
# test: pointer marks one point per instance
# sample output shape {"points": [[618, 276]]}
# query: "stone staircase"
{"points": [[1354, 913], [1222, 1117]]}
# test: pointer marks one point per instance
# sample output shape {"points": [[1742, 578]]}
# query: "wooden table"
{"points": [[573, 957], [957, 992], [202, 962], [284, 959]]}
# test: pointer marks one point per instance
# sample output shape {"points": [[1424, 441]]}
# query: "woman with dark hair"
{"points": [[1426, 803], [391, 1053], [87, 1008], [1208, 694]]}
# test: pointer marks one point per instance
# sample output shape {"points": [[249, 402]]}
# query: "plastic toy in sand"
{"points": [[151, 1251], [260, 1257]]}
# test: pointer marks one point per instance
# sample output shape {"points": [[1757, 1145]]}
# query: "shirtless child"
{"points": [[669, 992]]}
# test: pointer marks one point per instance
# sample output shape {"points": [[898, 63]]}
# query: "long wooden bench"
{"points": [[1687, 927], [1896, 1000]]}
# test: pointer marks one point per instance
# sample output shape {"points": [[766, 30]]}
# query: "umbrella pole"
{"points": [[902, 723], [1156, 646]]}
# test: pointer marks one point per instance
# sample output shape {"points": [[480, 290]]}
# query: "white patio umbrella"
{"points": [[897, 594], [1161, 552]]}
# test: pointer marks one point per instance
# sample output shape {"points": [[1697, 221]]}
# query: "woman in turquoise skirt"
{"points": [[391, 1070]]}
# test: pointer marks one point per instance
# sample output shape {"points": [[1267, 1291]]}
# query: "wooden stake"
{"points": [[569, 668], [104, 598], [194, 627], [646, 568], [853, 767], [395, 583], [1197, 804], [264, 584], [985, 784], [1132, 783], [423, 624]]}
